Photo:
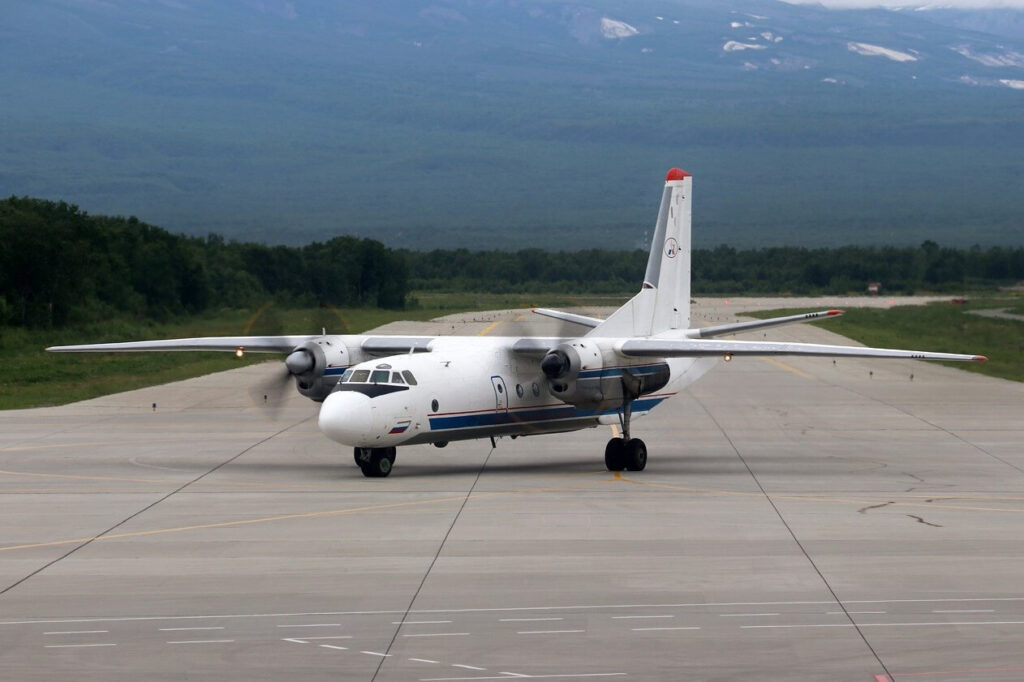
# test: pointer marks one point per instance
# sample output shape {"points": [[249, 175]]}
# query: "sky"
{"points": [[1015, 4]]}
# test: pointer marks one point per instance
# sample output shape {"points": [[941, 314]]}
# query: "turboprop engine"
{"points": [[312, 363], [584, 374]]}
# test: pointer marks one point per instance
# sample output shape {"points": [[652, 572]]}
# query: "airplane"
{"points": [[379, 393]]}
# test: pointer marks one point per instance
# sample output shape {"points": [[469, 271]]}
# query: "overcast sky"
{"points": [[1016, 4]]}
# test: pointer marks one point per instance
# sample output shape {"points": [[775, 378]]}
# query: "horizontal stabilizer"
{"points": [[250, 344], [696, 348], [737, 327], [569, 317]]}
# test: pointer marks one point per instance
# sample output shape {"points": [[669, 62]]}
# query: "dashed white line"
{"points": [[966, 611], [180, 629], [327, 637], [74, 646], [203, 641], [885, 625], [423, 660], [855, 613], [638, 617], [419, 622], [690, 627], [77, 632], [467, 667], [745, 615], [297, 641], [332, 646], [546, 632], [524, 620], [437, 634], [375, 653], [312, 625], [507, 676]]}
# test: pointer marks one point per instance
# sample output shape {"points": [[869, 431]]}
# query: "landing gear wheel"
{"points": [[615, 455], [375, 462], [635, 454]]}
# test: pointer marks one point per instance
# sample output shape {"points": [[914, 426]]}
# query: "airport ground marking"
{"points": [[77, 646], [77, 632], [334, 646], [788, 368], [203, 641], [882, 625], [205, 627], [682, 627], [547, 632], [437, 634]]}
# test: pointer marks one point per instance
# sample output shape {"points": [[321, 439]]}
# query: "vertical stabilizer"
{"points": [[663, 303]]}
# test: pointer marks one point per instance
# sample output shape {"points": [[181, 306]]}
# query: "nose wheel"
{"points": [[630, 455], [375, 462]]}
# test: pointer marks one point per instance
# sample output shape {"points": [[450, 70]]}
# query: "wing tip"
{"points": [[980, 358], [835, 312]]}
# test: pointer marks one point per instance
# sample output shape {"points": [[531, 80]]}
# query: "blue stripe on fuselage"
{"points": [[525, 417]]}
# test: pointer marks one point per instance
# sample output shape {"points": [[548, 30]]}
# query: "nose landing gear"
{"points": [[375, 462]]}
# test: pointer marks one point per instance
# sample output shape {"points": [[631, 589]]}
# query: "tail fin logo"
{"points": [[671, 247]]}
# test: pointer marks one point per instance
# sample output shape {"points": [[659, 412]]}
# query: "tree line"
{"points": [[60, 265]]}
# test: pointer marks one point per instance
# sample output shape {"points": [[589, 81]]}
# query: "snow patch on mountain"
{"points": [[733, 46], [1008, 58], [869, 50], [612, 29]]}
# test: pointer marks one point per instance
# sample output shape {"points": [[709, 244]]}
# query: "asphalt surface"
{"points": [[798, 520]]}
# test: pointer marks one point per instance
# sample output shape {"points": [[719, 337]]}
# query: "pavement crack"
{"points": [[920, 520], [864, 510]]}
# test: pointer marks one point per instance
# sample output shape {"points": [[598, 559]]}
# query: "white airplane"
{"points": [[382, 392]]}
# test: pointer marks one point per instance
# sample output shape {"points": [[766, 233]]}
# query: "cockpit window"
{"points": [[346, 375], [360, 376], [409, 378], [380, 376], [396, 378]]}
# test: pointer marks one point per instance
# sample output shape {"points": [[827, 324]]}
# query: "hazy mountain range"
{"points": [[518, 123]]}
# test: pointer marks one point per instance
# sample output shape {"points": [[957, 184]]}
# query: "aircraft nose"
{"points": [[347, 417]]}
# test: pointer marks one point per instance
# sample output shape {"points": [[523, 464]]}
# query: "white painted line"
{"points": [[74, 646], [514, 674], [546, 632], [638, 617], [886, 625], [297, 641], [375, 653], [467, 667], [418, 622], [332, 646], [328, 637], [966, 611], [76, 632], [524, 620], [312, 625], [692, 627], [438, 634], [745, 615], [423, 660], [217, 627], [204, 641], [854, 613], [532, 677]]}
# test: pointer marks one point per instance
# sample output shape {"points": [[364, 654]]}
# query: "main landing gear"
{"points": [[626, 453], [375, 462]]}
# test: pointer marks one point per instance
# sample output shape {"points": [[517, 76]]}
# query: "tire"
{"points": [[361, 456], [615, 455], [636, 455], [382, 460]]}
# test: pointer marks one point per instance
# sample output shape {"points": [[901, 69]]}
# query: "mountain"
{"points": [[516, 123]]}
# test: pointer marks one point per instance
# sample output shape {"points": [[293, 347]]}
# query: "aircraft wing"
{"points": [[568, 317], [735, 328], [250, 344], [696, 348]]}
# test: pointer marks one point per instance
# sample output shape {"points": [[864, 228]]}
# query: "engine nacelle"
{"points": [[583, 374], [317, 365]]}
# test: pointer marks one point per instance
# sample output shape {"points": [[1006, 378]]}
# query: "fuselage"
{"points": [[472, 388]]}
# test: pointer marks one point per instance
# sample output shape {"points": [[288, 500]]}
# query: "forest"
{"points": [[60, 266]]}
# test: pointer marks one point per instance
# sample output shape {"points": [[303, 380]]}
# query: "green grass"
{"points": [[31, 377], [940, 327]]}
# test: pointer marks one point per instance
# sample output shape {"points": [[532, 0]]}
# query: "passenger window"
{"points": [[396, 378], [380, 376], [360, 376], [409, 378]]}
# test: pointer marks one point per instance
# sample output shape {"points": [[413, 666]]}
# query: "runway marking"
{"points": [[437, 634], [638, 617], [960, 672], [203, 641], [423, 660], [788, 368], [77, 632], [296, 641], [467, 667], [418, 622], [688, 627], [887, 625], [526, 620], [487, 330], [547, 632], [854, 613], [312, 625], [745, 615], [324, 637], [210, 627], [74, 646], [507, 609], [375, 653], [332, 646], [965, 611], [531, 677]]}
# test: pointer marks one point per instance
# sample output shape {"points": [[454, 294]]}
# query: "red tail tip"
{"points": [[676, 174], [980, 358], [836, 312]]}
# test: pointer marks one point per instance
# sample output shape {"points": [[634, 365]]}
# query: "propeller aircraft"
{"points": [[379, 392]]}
